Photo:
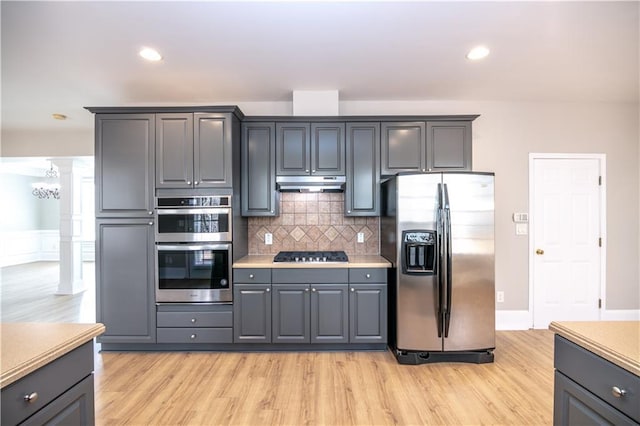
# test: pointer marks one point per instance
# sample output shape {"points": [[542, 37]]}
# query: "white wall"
{"points": [[503, 136]]}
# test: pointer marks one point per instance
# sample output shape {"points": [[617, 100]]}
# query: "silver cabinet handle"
{"points": [[150, 223], [193, 336], [313, 171], [31, 397], [618, 392], [313, 289], [353, 290], [193, 320], [196, 182], [348, 211], [251, 276], [306, 289], [150, 212], [368, 275], [188, 182], [268, 290], [306, 170]]}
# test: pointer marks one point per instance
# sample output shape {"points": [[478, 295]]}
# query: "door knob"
{"points": [[539, 252]]}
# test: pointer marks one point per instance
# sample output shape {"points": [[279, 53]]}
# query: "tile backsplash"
{"points": [[314, 222]]}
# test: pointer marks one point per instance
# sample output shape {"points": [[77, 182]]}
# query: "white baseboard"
{"points": [[513, 320], [620, 315]]}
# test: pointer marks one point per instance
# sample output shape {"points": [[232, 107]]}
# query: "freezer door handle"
{"points": [[447, 272], [440, 293]]}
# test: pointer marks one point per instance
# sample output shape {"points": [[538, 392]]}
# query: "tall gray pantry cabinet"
{"points": [[124, 227]]}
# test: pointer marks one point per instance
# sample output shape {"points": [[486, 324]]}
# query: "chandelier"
{"points": [[50, 188]]}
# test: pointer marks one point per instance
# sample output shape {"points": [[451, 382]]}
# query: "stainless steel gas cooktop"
{"points": [[311, 256]]}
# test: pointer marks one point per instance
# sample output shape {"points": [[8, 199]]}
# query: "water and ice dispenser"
{"points": [[419, 252]]}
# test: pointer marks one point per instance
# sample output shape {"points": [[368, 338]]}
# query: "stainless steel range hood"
{"points": [[310, 183]]}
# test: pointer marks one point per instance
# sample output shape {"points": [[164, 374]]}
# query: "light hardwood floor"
{"points": [[330, 388]]}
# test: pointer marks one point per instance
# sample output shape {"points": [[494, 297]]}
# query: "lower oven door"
{"points": [[193, 273]]}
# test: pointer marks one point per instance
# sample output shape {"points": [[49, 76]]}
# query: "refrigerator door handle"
{"points": [[447, 272], [439, 267]]}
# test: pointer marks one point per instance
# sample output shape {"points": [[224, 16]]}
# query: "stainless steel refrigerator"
{"points": [[437, 229]]}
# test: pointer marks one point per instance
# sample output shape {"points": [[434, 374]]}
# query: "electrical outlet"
{"points": [[500, 296], [268, 238], [360, 237]]}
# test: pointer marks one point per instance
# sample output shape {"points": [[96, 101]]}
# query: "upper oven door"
{"points": [[193, 225]]}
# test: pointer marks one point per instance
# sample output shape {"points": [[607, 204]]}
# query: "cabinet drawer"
{"points": [[195, 335], [48, 382], [310, 276], [367, 275], [195, 319], [251, 275], [598, 375]]}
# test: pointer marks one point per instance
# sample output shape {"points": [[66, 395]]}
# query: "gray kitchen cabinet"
{"points": [[368, 305], [125, 280], [362, 191], [194, 323], [329, 313], [316, 149], [63, 392], [290, 313], [124, 164], [259, 195], [590, 390], [193, 150], [449, 145], [419, 146], [251, 313]]}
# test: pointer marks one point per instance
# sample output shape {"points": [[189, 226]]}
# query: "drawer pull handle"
{"points": [[617, 392], [368, 275], [31, 398], [313, 289], [193, 320], [267, 290], [251, 276], [353, 290], [193, 336]]}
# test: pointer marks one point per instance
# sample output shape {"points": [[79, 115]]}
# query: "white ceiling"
{"points": [[58, 57]]}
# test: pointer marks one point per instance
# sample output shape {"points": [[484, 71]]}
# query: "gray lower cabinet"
{"points": [[193, 150], [259, 195], [421, 146], [252, 305], [194, 323], [290, 313], [124, 164], [329, 313], [368, 305], [62, 393], [589, 390], [125, 280], [362, 191]]}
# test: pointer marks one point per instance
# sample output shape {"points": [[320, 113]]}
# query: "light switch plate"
{"points": [[268, 238], [522, 228]]}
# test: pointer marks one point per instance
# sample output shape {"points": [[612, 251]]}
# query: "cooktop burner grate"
{"points": [[311, 256]]}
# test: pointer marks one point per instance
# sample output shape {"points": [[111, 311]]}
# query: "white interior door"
{"points": [[566, 231]]}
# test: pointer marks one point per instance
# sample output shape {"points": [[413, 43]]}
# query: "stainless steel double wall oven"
{"points": [[194, 248]]}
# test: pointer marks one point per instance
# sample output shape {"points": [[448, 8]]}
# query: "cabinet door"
{"points": [[74, 407], [125, 280], [403, 147], [362, 192], [449, 145], [252, 313], [259, 195], [368, 313], [329, 313], [327, 149], [293, 149], [575, 405], [124, 164], [174, 150], [290, 320], [212, 156]]}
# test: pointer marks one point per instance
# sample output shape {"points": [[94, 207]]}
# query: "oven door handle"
{"points": [[192, 247], [223, 210]]}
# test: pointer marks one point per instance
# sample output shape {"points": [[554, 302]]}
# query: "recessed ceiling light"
{"points": [[477, 53], [150, 54], [59, 116]]}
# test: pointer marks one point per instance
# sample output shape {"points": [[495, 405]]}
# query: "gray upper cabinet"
{"points": [[362, 193], [124, 164], [193, 150], [310, 149], [419, 146], [259, 195], [125, 280], [449, 145], [403, 147]]}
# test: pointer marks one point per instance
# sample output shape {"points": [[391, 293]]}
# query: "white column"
{"points": [[71, 281]]}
